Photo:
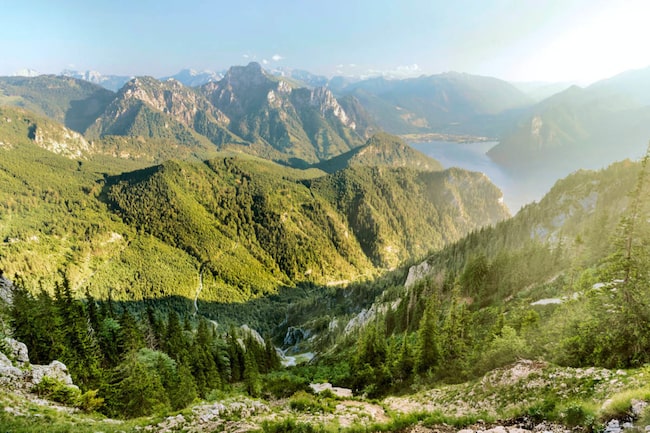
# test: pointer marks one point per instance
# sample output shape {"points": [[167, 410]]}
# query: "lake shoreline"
{"points": [[518, 190], [449, 138]]}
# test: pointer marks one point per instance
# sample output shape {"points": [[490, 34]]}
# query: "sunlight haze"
{"points": [[579, 41]]}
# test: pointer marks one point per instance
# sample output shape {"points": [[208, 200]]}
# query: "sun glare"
{"points": [[601, 44]]}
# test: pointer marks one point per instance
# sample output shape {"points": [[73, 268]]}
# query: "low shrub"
{"points": [[542, 410], [304, 402], [89, 402], [578, 414], [55, 390], [283, 384], [288, 425]]}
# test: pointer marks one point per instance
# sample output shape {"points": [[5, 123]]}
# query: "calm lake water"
{"points": [[472, 156]]}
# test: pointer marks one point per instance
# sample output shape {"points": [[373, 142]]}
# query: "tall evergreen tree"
{"points": [[428, 355], [404, 362], [81, 352], [138, 390], [252, 377], [175, 343], [36, 323], [130, 336]]}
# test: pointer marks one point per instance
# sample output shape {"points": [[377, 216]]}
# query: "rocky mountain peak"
{"points": [[249, 75], [170, 97], [324, 101]]}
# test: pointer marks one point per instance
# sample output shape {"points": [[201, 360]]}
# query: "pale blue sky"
{"points": [[522, 40]]}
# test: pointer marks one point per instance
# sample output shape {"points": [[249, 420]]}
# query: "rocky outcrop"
{"points": [[170, 97], [339, 392], [6, 286], [324, 101], [9, 374], [295, 336], [416, 273], [55, 370], [17, 350], [19, 126], [17, 372]]}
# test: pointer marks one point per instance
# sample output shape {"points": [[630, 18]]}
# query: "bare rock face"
{"points": [[416, 273], [5, 289], [9, 375], [17, 350], [55, 370]]}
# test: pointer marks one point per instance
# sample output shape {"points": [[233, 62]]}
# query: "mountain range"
{"points": [[140, 228], [360, 182], [541, 127], [247, 110]]}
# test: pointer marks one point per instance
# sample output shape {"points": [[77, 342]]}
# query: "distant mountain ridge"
{"points": [[150, 108], [581, 127], [286, 115], [110, 82], [450, 103], [276, 117], [72, 102], [193, 78], [248, 111]]}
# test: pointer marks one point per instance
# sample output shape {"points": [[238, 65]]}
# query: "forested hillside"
{"points": [[237, 227], [563, 281], [75, 103]]}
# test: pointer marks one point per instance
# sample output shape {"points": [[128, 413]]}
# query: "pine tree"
{"points": [[404, 362], [204, 370], [108, 339], [183, 390], [372, 373], [236, 357], [130, 336], [272, 360], [139, 391], [154, 329], [251, 375], [175, 343], [428, 355], [36, 323], [456, 340], [80, 352]]}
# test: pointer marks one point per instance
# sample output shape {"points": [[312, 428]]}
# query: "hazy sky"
{"points": [[521, 40]]}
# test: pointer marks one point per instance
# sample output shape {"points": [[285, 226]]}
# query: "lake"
{"points": [[517, 191]]}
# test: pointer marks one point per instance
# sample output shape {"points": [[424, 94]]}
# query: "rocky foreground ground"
{"points": [[514, 399]]}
